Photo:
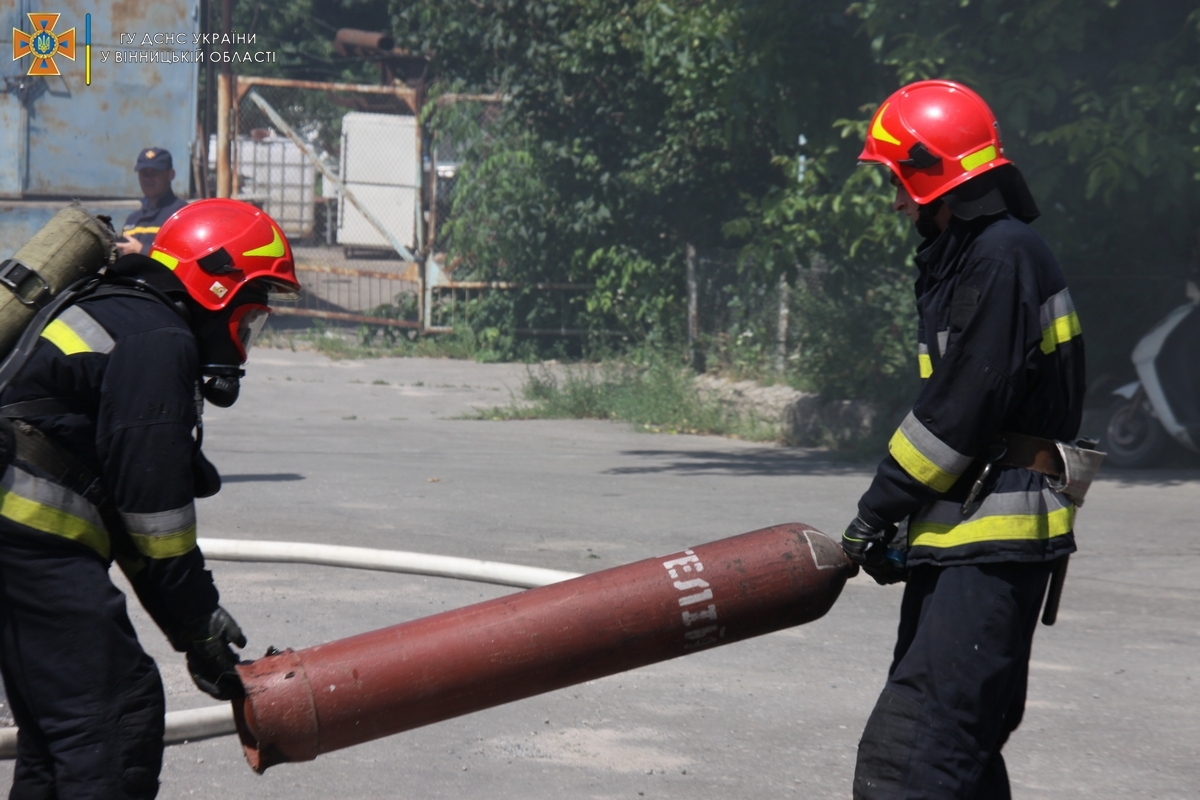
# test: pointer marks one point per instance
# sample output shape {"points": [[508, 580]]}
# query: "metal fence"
{"points": [[340, 167], [450, 141], [361, 189], [740, 321]]}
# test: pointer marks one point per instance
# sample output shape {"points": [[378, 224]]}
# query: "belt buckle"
{"points": [[13, 273]]}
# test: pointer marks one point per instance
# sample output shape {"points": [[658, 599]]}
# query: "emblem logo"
{"points": [[43, 44]]}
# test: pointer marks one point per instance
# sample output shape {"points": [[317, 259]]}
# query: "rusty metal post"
{"points": [[224, 101], [223, 93], [300, 704]]}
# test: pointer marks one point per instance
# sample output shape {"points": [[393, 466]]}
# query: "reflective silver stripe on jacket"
{"points": [[161, 523], [82, 324], [926, 457], [1059, 321], [943, 512], [1024, 516], [1057, 306], [163, 534], [51, 508]]}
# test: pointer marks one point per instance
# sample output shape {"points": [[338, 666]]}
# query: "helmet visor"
{"points": [[245, 325], [281, 289]]}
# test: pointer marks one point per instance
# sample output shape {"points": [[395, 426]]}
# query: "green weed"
{"points": [[657, 396]]}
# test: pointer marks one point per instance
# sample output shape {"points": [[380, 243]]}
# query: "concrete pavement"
{"points": [[372, 453]]}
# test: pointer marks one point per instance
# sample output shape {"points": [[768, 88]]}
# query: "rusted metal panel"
{"points": [[80, 140], [300, 704]]}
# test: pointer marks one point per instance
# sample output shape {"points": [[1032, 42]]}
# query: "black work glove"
{"points": [[868, 547], [209, 658]]}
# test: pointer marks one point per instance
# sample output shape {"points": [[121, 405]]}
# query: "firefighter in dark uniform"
{"points": [[155, 172], [969, 505], [107, 467]]}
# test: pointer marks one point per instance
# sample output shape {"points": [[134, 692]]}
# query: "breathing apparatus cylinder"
{"points": [[72, 245]]}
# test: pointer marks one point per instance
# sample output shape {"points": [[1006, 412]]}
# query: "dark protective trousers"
{"points": [[956, 687], [87, 699]]}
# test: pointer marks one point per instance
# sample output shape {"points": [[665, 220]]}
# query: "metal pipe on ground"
{"points": [[300, 704]]}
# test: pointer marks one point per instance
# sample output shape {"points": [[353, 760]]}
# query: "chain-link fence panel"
{"points": [[460, 131], [339, 167], [742, 319]]}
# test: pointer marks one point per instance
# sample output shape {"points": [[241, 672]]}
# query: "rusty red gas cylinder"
{"points": [[302, 703]]}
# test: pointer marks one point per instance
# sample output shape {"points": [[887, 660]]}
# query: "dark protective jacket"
{"points": [[143, 224], [127, 368], [1000, 350]]}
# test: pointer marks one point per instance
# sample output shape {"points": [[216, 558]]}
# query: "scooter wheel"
{"points": [[1133, 436]]}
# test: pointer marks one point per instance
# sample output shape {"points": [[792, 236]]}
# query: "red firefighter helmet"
{"points": [[215, 247], [934, 135]]}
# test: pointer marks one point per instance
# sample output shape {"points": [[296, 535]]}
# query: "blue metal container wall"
{"points": [[62, 138]]}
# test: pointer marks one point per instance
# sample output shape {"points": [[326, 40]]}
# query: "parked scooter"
{"points": [[1164, 403]]}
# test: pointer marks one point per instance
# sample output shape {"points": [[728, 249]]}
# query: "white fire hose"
{"points": [[208, 722]]}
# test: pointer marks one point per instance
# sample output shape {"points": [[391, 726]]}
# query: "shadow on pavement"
{"points": [[265, 477], [1179, 470], [765, 461]]}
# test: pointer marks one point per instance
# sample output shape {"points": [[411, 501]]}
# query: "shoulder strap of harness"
{"points": [[85, 287], [19, 440]]}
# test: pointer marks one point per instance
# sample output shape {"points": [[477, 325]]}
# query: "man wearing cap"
{"points": [[155, 173]]}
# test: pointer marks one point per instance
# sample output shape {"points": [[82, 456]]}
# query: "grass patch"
{"points": [[657, 397]]}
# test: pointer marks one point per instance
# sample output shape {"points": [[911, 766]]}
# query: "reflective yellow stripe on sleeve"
{"points": [[139, 230], [925, 457], [924, 362], [163, 534], [1059, 321]]}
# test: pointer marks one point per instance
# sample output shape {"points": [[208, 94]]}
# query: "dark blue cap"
{"points": [[154, 158]]}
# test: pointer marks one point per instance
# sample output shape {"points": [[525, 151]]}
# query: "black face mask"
{"points": [[220, 360]]}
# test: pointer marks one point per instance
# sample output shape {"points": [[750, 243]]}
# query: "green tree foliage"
{"points": [[1098, 103], [300, 32], [632, 131], [635, 128]]}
